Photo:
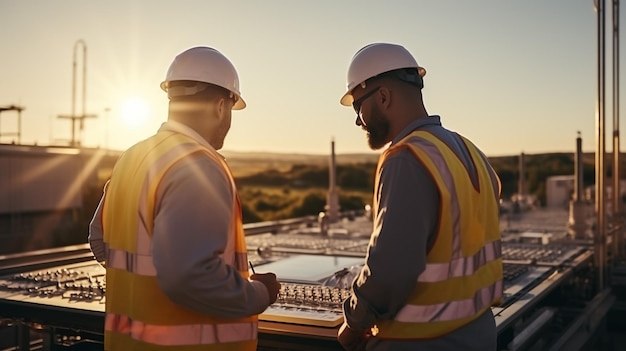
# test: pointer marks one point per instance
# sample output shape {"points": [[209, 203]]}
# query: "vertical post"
{"points": [[332, 200], [617, 215], [83, 113], [577, 227], [600, 232], [77, 141], [73, 115], [578, 170], [521, 185], [19, 110], [19, 126]]}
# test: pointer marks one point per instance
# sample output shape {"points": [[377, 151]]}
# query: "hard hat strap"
{"points": [[180, 90], [407, 75], [410, 76]]}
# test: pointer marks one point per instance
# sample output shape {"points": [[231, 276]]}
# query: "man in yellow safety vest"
{"points": [[169, 228], [433, 267]]}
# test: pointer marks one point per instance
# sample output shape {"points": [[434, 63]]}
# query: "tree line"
{"points": [[359, 177], [301, 190]]}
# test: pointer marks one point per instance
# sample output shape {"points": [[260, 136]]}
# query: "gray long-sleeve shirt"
{"points": [[404, 228], [191, 226]]}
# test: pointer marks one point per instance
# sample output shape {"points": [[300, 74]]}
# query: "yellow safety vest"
{"points": [[139, 316], [463, 274]]}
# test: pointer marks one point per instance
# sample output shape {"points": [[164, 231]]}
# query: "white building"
{"points": [[559, 190]]}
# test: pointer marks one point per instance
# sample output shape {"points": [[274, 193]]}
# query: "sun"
{"points": [[134, 111]]}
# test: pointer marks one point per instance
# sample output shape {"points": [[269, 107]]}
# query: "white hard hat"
{"points": [[375, 59], [206, 65]]}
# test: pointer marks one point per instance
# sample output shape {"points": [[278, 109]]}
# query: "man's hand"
{"points": [[270, 282], [353, 340]]}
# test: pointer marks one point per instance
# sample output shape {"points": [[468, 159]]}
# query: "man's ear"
{"points": [[220, 106], [384, 96]]}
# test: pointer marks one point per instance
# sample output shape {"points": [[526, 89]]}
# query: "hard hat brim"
{"points": [[347, 99], [240, 104]]}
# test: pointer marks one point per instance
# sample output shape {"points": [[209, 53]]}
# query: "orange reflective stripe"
{"points": [[241, 261], [177, 335], [133, 263], [117, 323], [464, 266], [454, 310]]}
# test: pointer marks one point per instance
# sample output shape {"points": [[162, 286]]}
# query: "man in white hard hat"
{"points": [[434, 266], [169, 229]]}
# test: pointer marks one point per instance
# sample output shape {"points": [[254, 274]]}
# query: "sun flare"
{"points": [[134, 111]]}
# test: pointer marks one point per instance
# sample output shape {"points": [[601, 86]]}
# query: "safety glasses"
{"points": [[356, 104]]}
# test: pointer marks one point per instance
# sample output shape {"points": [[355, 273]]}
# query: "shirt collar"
{"points": [[177, 127], [417, 124]]}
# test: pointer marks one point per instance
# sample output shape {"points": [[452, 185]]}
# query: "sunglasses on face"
{"points": [[356, 104]]}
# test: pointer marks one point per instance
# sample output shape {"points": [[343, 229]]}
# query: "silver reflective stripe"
{"points": [[451, 310], [133, 263], [144, 240], [463, 266], [444, 171], [459, 266], [233, 332], [143, 237], [185, 334]]}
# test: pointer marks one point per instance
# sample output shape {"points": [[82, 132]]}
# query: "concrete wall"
{"points": [[44, 192]]}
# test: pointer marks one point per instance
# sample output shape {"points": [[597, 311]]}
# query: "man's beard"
{"points": [[377, 129]]}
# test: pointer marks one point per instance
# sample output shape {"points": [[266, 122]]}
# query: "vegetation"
{"points": [[277, 193], [280, 188], [538, 167], [302, 190]]}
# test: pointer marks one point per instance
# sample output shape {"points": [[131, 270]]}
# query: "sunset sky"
{"points": [[513, 76]]}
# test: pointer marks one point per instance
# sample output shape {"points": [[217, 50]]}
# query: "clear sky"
{"points": [[513, 76]]}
